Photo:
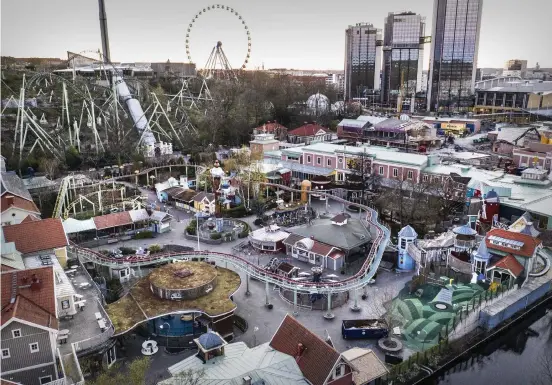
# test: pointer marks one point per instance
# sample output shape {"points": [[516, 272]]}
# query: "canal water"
{"points": [[513, 358]]}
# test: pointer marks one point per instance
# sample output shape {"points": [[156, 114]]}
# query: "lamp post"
{"points": [[168, 329], [197, 231]]}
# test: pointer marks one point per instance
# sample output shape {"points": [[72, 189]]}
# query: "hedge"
{"points": [[144, 235], [216, 236], [127, 250], [245, 231], [235, 212]]}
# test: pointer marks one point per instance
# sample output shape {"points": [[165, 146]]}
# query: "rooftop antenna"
{"points": [[103, 29]]}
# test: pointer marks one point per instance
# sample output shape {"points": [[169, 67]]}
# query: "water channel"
{"points": [[514, 358]]}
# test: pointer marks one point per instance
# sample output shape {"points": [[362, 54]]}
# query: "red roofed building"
{"points": [[308, 133], [111, 221], [15, 209], [275, 128], [314, 252], [507, 247], [39, 237], [319, 362], [29, 326]]}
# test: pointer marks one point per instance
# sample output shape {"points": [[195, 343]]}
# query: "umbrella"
{"points": [[305, 274], [331, 276]]}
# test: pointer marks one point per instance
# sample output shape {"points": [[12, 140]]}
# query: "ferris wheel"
{"points": [[217, 64]]}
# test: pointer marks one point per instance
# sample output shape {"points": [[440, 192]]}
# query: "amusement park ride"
{"points": [[89, 108]]}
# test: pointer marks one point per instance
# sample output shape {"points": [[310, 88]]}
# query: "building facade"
{"points": [[402, 59], [515, 67], [453, 59], [363, 44]]}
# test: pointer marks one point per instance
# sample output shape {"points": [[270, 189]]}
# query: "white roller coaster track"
{"points": [[380, 237]]}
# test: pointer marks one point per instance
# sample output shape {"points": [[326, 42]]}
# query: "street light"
{"points": [[168, 329]]}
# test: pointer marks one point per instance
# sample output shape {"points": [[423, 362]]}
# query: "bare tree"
{"points": [[187, 377], [50, 166], [544, 370]]}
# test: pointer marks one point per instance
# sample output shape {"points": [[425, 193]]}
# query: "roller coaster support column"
{"points": [[247, 292], [329, 314], [355, 307], [295, 312], [267, 289]]}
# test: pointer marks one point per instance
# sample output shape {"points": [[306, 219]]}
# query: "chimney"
{"points": [[246, 380], [9, 200], [300, 350]]}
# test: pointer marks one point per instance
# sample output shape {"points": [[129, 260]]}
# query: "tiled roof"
{"points": [[317, 247], [199, 197], [113, 220], [11, 183], [42, 293], [510, 263], [317, 359], [339, 218], [529, 243], [36, 236], [26, 310], [30, 218], [186, 195], [309, 129], [18, 202], [368, 364]]}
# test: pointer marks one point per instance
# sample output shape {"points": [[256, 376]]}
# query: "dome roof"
{"points": [[408, 232], [464, 230], [210, 340], [318, 102], [309, 243]]}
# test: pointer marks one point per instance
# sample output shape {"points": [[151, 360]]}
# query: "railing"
{"points": [[464, 244], [357, 281]]}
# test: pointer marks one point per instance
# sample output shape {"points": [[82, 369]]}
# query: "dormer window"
{"points": [[339, 371], [503, 242]]}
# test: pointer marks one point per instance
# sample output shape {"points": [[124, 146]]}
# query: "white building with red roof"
{"points": [[308, 133], [16, 201]]}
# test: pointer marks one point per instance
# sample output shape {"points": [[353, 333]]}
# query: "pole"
{"points": [[197, 231], [247, 292], [295, 312], [329, 314], [267, 291]]}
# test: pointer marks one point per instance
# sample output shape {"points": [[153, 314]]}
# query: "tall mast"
{"points": [[103, 28]]}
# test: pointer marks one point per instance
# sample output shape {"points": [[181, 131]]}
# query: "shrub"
{"points": [[144, 235], [191, 228], [216, 236], [235, 212], [155, 249], [127, 250], [258, 222], [245, 232]]}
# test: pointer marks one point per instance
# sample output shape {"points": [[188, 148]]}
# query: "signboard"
{"points": [[453, 126]]}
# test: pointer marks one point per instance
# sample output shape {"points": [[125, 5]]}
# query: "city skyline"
{"points": [[284, 34]]}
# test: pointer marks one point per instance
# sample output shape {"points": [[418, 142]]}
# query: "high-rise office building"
{"points": [[402, 58], [362, 61], [453, 59]]}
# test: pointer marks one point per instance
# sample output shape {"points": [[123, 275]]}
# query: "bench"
{"points": [[98, 315], [101, 324]]}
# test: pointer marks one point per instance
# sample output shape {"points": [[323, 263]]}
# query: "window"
{"points": [[16, 333], [328, 162], [340, 177], [5, 353], [339, 370], [395, 172], [318, 160], [308, 158], [425, 178], [340, 160], [65, 304], [34, 347], [410, 175], [381, 170], [45, 379], [122, 273], [111, 356]]}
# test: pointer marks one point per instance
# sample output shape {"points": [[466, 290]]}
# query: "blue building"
{"points": [[407, 235]]}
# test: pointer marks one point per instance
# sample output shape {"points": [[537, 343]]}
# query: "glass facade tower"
{"points": [[453, 60], [362, 61], [402, 58]]}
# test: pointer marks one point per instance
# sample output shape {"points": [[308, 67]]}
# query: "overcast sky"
{"points": [[305, 34]]}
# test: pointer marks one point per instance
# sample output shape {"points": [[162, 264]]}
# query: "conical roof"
{"points": [[408, 232], [482, 251], [464, 230]]}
